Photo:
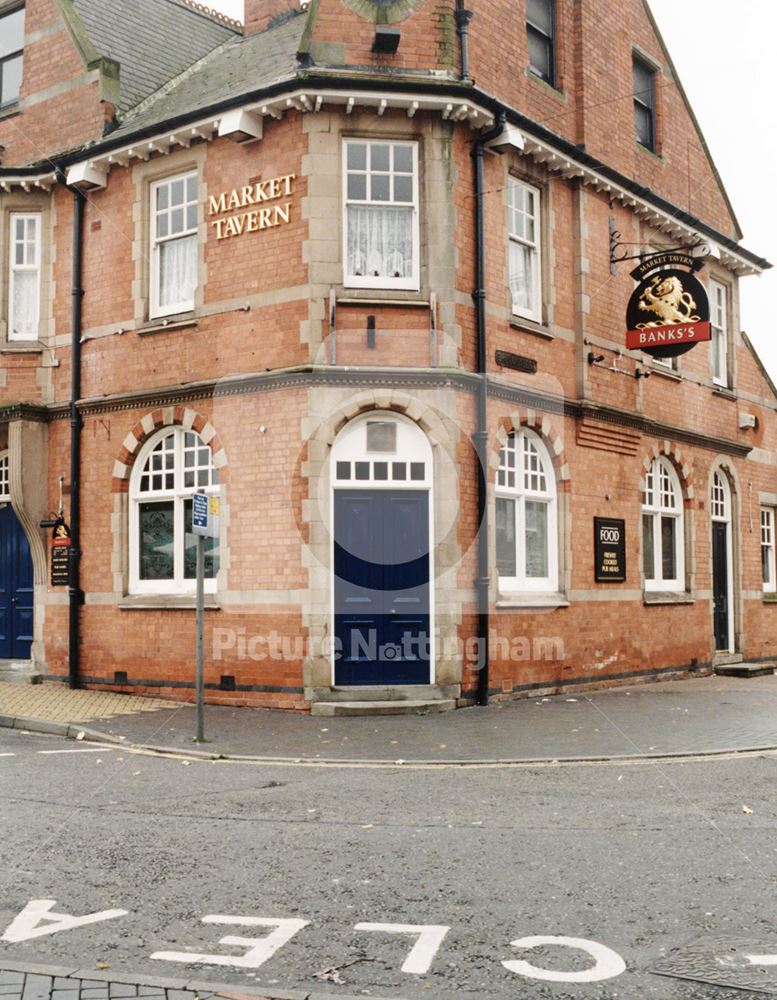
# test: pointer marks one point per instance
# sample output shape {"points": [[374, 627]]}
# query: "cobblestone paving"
{"points": [[57, 703]]}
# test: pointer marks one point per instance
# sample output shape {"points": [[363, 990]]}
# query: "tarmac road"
{"points": [[641, 858]]}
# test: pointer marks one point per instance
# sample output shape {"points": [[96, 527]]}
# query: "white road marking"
{"points": [[430, 937], [81, 750], [607, 963], [7, 754], [761, 959], [259, 949], [28, 925]]}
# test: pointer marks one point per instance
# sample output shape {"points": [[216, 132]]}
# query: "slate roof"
{"points": [[238, 67], [153, 41]]}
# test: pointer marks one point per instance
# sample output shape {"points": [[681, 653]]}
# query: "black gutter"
{"points": [[75, 594], [463, 17], [480, 437], [453, 88]]}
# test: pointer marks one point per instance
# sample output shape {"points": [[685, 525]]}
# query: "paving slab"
{"points": [[710, 714]]}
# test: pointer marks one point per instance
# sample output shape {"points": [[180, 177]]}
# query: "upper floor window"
{"points": [[526, 536], [24, 276], [381, 214], [663, 559], [767, 550], [645, 103], [173, 244], [524, 250], [541, 35], [171, 467], [11, 54], [719, 330]]}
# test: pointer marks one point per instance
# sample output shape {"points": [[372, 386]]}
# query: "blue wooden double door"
{"points": [[16, 588], [382, 587]]}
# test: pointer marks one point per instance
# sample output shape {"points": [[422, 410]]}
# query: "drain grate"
{"points": [[722, 961]]}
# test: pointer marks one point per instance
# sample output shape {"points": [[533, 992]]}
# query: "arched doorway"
{"points": [[381, 475], [722, 563], [16, 577]]}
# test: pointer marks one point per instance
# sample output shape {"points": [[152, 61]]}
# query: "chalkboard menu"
{"points": [[610, 549]]}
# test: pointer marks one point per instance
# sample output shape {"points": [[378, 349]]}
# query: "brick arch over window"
{"points": [[550, 435], [723, 464], [168, 416], [681, 466]]}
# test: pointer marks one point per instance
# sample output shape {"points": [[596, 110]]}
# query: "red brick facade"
{"points": [[279, 353]]}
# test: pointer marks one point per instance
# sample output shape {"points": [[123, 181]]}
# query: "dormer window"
{"points": [[11, 53]]}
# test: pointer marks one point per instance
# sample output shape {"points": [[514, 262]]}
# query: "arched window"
{"points": [[5, 478], [526, 534], [663, 548], [720, 506], [171, 467]]}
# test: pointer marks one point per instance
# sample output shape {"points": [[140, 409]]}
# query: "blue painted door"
{"points": [[16, 591], [381, 564]]}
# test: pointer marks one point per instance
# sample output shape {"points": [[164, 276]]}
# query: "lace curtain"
{"points": [[380, 241], [178, 271], [522, 277], [25, 305]]}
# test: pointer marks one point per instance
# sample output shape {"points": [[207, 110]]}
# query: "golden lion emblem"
{"points": [[666, 299]]}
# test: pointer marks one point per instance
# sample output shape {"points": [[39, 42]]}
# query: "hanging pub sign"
{"points": [[60, 554], [668, 312], [610, 549]]}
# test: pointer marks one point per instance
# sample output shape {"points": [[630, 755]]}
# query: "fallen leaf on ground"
{"points": [[747, 810], [102, 965]]}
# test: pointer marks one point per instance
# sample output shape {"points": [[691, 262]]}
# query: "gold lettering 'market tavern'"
{"points": [[251, 194]]}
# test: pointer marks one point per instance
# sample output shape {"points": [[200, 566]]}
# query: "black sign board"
{"points": [[610, 549], [668, 312], [506, 359], [60, 554]]}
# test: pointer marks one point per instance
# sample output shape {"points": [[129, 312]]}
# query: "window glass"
{"points": [[540, 34], [526, 545], [719, 332], [24, 277], [524, 256], [177, 465], [381, 217], [174, 245], [644, 103], [11, 55], [5, 481], [662, 529], [767, 549]]}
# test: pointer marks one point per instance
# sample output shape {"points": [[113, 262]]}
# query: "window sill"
{"points": [[530, 326], [769, 597], [546, 85], [179, 322], [667, 597], [9, 110], [652, 153], [670, 373], [531, 599], [166, 602], [22, 347], [382, 297], [724, 391]]}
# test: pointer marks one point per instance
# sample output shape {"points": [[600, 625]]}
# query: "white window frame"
{"points": [[179, 584], [412, 281], [718, 294], [519, 492], [29, 267], [5, 477], [767, 543], [156, 310], [535, 246], [654, 506]]}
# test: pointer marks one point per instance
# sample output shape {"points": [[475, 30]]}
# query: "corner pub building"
{"points": [[358, 270]]}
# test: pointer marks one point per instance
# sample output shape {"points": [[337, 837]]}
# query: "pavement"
{"points": [[699, 716]]}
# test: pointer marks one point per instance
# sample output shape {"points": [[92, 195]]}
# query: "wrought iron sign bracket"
{"points": [[619, 250]]}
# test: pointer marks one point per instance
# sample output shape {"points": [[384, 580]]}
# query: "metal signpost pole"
{"points": [[200, 629]]}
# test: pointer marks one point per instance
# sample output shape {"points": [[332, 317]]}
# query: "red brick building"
{"points": [[357, 270]]}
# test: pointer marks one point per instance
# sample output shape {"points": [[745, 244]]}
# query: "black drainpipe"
{"points": [[463, 17], [480, 437], [75, 595]]}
